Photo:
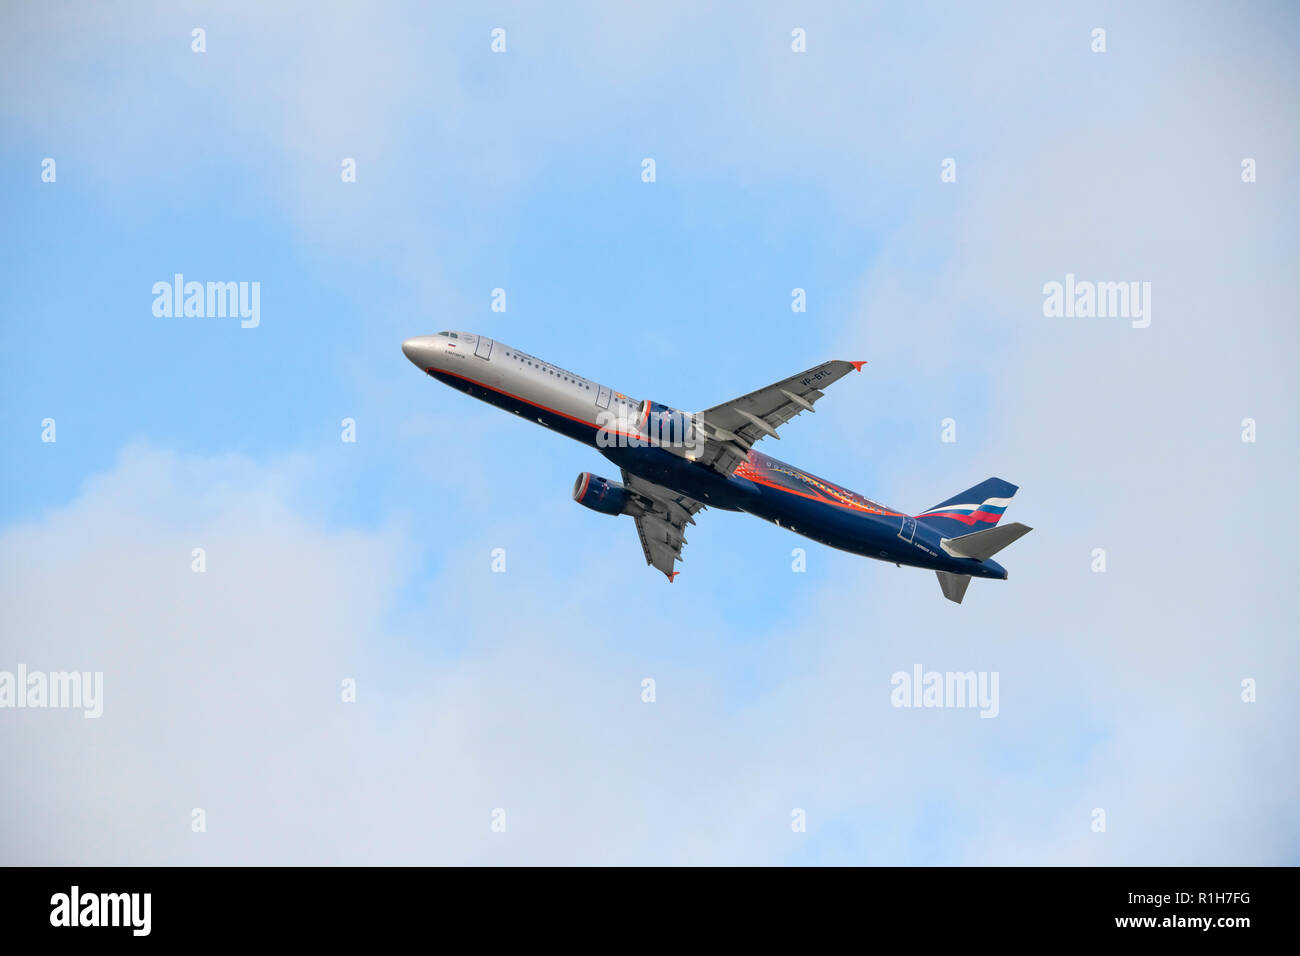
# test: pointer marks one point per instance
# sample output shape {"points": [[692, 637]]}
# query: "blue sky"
{"points": [[521, 690]]}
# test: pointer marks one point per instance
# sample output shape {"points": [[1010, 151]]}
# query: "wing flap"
{"points": [[662, 524]]}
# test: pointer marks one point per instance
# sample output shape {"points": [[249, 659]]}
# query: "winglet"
{"points": [[672, 576], [857, 366]]}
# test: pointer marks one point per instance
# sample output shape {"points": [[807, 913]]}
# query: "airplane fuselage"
{"points": [[591, 413]]}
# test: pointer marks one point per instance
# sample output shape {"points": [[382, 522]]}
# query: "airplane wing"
{"points": [[662, 524], [731, 428]]}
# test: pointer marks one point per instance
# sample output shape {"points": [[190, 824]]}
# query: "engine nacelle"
{"points": [[601, 494], [650, 424], [672, 430]]}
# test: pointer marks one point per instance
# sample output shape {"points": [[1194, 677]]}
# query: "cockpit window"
{"points": [[450, 335]]}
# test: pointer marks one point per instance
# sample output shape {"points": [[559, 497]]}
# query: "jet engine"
{"points": [[672, 430], [602, 495]]}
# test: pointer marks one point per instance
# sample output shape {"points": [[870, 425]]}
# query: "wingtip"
{"points": [[672, 576], [857, 366]]}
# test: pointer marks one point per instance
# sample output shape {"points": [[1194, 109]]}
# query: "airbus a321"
{"points": [[674, 464]]}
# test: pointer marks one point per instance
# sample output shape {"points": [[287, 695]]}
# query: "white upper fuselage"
{"points": [[495, 365]]}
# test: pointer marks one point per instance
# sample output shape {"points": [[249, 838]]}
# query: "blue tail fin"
{"points": [[973, 510]]}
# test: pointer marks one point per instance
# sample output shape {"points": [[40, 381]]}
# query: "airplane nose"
{"points": [[418, 350]]}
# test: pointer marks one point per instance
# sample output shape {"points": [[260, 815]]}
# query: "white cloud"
{"points": [[222, 692]]}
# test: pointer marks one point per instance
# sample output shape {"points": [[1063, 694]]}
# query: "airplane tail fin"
{"points": [[975, 509], [968, 528]]}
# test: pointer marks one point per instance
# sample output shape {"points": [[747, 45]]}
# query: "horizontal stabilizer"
{"points": [[981, 545], [953, 585]]}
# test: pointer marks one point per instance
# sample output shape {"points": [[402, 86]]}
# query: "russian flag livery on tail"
{"points": [[973, 509], [675, 464]]}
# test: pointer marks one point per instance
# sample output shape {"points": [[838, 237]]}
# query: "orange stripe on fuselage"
{"points": [[803, 494]]}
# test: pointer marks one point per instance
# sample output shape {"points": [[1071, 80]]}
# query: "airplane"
{"points": [[674, 463]]}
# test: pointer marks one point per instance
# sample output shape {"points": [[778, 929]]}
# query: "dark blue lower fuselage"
{"points": [[878, 533]]}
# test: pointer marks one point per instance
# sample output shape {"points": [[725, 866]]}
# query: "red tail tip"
{"points": [[857, 366], [672, 576]]}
